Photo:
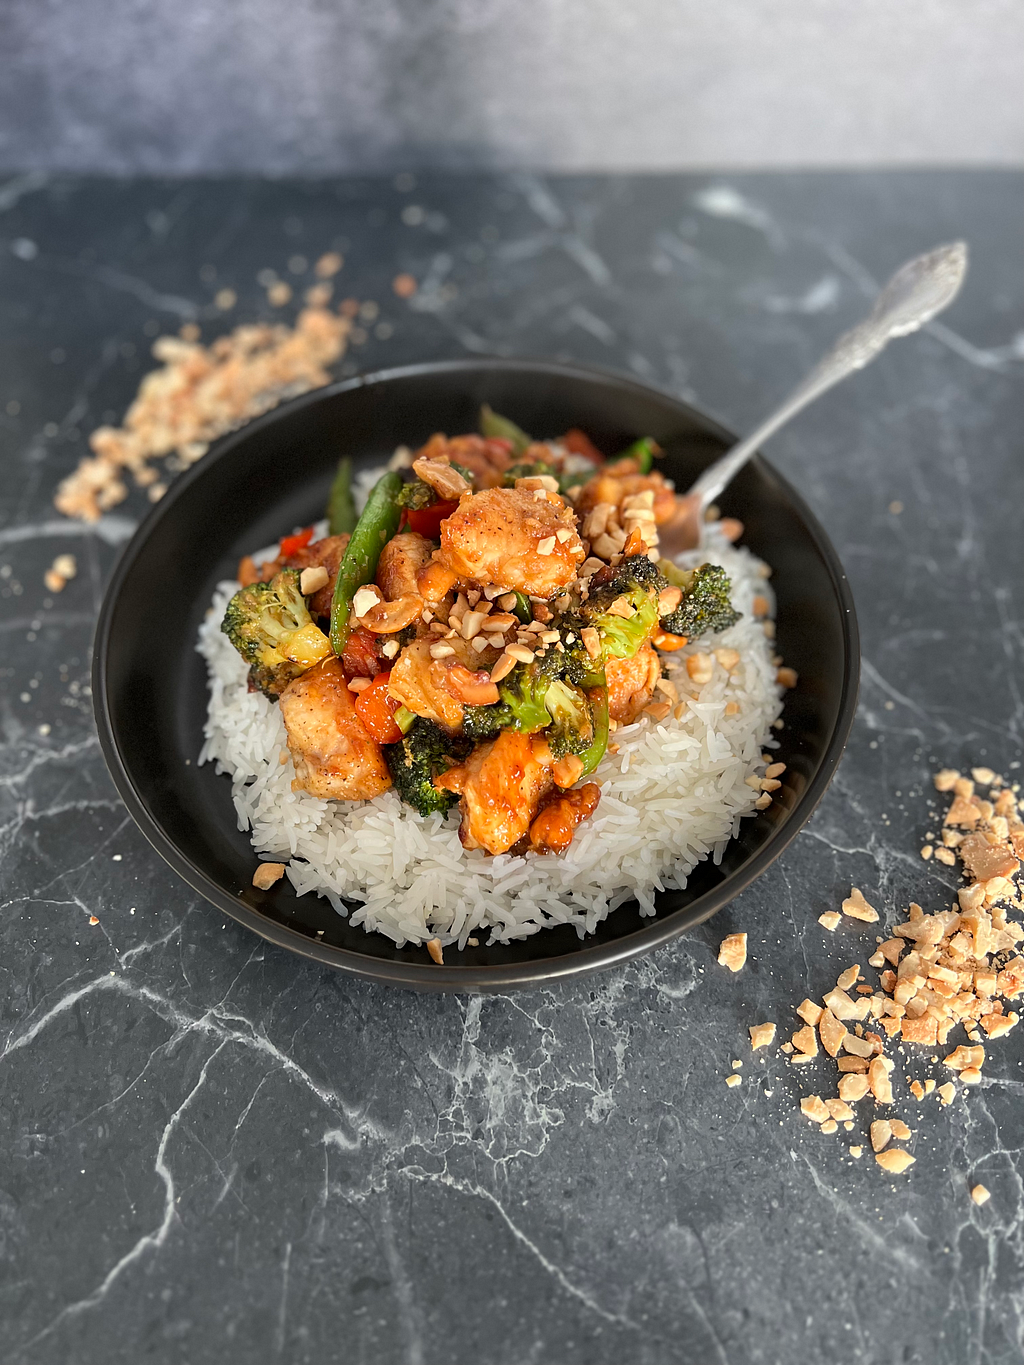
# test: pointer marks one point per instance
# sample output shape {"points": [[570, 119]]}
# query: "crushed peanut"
{"points": [[881, 1132], [267, 875], [733, 1080], [312, 580], [200, 393], [701, 668], [436, 951], [857, 907], [761, 1035], [830, 920], [732, 951], [814, 1107], [895, 1160], [980, 1195], [852, 1087], [60, 573]]}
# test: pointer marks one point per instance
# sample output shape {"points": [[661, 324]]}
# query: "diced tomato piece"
{"points": [[376, 709], [427, 521], [361, 659], [291, 544]]}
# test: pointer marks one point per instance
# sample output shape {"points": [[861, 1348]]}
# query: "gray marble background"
{"points": [[315, 86], [214, 1152]]}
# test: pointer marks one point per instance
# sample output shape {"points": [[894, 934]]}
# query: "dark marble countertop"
{"points": [[215, 1152]]}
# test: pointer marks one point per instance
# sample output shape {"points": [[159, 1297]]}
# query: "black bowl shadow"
{"points": [[150, 684]]}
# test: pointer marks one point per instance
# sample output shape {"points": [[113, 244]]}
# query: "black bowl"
{"points": [[150, 684]]}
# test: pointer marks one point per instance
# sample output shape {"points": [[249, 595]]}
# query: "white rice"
{"points": [[672, 794]]}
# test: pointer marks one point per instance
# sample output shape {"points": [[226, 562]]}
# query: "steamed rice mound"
{"points": [[672, 794]]}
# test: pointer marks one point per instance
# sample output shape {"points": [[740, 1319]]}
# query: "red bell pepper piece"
{"points": [[427, 521], [376, 709], [291, 545]]}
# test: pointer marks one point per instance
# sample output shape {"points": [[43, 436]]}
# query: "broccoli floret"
{"points": [[705, 608], [535, 697], [415, 495], [486, 722], [622, 605], [423, 753], [528, 469], [522, 692], [572, 725], [270, 626]]}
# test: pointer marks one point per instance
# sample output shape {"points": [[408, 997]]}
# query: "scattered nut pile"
{"points": [[960, 967], [200, 393]]}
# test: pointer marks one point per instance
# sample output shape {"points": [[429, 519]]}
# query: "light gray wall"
{"points": [[342, 85]]}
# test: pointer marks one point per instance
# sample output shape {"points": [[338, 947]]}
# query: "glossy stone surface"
{"points": [[213, 1152]]}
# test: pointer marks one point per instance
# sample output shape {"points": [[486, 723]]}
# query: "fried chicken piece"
{"points": [[400, 562], [631, 684], [485, 457], [334, 756], [607, 486], [509, 538], [501, 785], [553, 829], [418, 681]]}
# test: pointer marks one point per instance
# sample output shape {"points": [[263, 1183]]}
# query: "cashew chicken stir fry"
{"points": [[473, 635]]}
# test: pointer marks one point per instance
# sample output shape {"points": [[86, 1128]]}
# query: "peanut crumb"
{"points": [[895, 1160], [852, 1087], [980, 1195], [267, 874], [199, 393], [830, 920], [814, 1107], [436, 951], [830, 1126], [733, 1080], [900, 1130], [944, 780], [732, 952], [761, 1035], [839, 1109], [805, 1040], [857, 907], [809, 1012], [857, 1152], [881, 1132], [328, 265]]}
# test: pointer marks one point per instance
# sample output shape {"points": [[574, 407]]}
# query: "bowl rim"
{"points": [[476, 978]]}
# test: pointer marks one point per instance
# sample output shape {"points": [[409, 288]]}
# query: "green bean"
{"points": [[598, 698], [373, 530], [493, 424], [522, 608], [341, 510], [643, 451]]}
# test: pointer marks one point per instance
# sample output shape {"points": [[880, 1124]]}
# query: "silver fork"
{"points": [[916, 293]]}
